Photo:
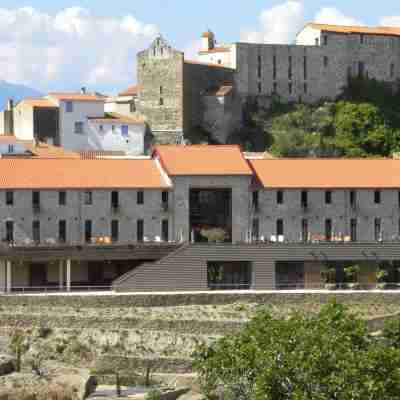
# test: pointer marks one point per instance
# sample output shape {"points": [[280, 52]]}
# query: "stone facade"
{"points": [[340, 212]]}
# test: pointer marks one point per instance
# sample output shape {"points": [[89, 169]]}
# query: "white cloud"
{"points": [[331, 15], [278, 24], [69, 49], [393, 21], [281, 23]]}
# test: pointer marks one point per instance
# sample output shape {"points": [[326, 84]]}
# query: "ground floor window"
{"points": [[289, 275], [229, 275]]}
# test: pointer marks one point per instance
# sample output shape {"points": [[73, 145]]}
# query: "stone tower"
{"points": [[160, 76]]}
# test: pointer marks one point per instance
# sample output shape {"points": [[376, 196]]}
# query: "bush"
{"points": [[329, 355], [154, 394]]}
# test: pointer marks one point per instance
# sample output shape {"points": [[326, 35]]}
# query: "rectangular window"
{"points": [[377, 197], [132, 106], [114, 199], [161, 101], [164, 230], [328, 230], [353, 230], [88, 231], [378, 229], [279, 227], [10, 231], [353, 199], [78, 127], [36, 231], [88, 198], [274, 67], [11, 148], [124, 130], [10, 198], [165, 200], [255, 229], [140, 197], [114, 230], [254, 200], [290, 88], [325, 40], [101, 128], [36, 200], [259, 67], [361, 39], [259, 87], [304, 199], [328, 197], [69, 107], [304, 230], [161, 90], [290, 71], [140, 230], [305, 67], [326, 61], [317, 41], [62, 198], [392, 70], [279, 197], [62, 231]]}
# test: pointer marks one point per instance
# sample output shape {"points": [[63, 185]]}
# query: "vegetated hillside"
{"points": [[15, 92], [363, 122]]}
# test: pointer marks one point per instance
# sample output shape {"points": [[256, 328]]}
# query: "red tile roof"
{"points": [[115, 118], [327, 173], [41, 173], [203, 160], [39, 103], [71, 96], [131, 90], [380, 30]]}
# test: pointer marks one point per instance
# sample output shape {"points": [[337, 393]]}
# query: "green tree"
{"points": [[324, 356], [19, 345]]}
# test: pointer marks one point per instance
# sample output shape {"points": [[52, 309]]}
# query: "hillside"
{"points": [[363, 122], [15, 92]]}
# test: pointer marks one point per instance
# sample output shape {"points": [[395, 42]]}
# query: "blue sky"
{"points": [[63, 45]]}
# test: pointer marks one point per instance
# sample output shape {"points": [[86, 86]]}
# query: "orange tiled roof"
{"points": [[327, 173], [117, 119], [202, 160], [42, 173], [131, 90], [380, 30], [221, 49], [40, 103], [77, 96], [221, 91]]}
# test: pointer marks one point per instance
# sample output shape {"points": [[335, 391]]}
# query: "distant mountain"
{"points": [[15, 92]]}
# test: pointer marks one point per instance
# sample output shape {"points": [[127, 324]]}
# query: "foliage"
{"points": [[364, 121], [19, 345], [328, 275], [154, 394], [391, 332], [214, 235], [381, 275], [351, 272], [328, 355]]}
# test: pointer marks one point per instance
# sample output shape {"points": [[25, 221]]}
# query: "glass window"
{"points": [[328, 197], [328, 229], [377, 197], [279, 197], [62, 198], [114, 230], [353, 198], [279, 227], [88, 231], [124, 130], [255, 231], [9, 231], [304, 230], [78, 127], [140, 230], [304, 198], [36, 199], [62, 231], [353, 230], [164, 230], [378, 229], [36, 231], [140, 197], [114, 199], [9, 198], [88, 198], [69, 107]]}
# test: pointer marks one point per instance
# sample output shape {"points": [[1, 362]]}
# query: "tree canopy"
{"points": [[324, 356], [364, 121]]}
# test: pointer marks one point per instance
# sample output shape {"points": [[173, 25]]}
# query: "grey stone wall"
{"points": [[76, 212], [240, 201], [340, 212]]}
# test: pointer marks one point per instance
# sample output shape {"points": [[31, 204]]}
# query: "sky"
{"points": [[64, 44]]}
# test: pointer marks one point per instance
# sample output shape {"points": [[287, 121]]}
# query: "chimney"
{"points": [[208, 41], [83, 90]]}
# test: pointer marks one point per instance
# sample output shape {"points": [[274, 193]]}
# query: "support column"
{"points": [[9, 277], [68, 275], [61, 275], [2, 276]]}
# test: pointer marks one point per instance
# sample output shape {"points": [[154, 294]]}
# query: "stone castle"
{"points": [[175, 95]]}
